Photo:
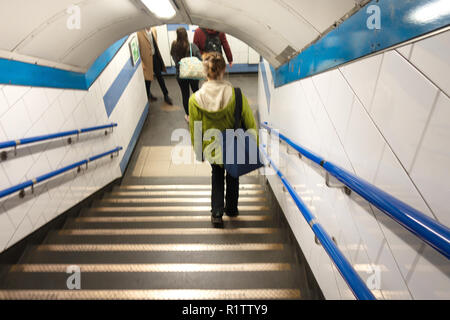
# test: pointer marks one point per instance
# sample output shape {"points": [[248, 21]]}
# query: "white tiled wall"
{"points": [[386, 119], [27, 112]]}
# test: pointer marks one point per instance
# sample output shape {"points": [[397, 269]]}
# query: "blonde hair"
{"points": [[214, 65]]}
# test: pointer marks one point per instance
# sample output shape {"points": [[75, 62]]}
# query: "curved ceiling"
{"points": [[37, 30]]}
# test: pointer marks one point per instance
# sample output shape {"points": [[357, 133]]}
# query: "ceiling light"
{"points": [[161, 8], [432, 11]]}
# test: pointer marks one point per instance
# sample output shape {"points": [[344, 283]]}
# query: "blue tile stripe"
{"points": [[134, 139], [28, 74], [237, 68], [400, 21], [266, 85], [119, 85], [102, 62], [174, 27]]}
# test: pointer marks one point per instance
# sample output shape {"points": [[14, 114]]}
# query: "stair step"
{"points": [[160, 279], [161, 253], [176, 193], [180, 187], [180, 294], [169, 201], [254, 180], [152, 267], [168, 210], [167, 231], [55, 237], [197, 221]]}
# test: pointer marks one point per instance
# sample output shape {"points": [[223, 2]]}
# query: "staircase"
{"points": [[153, 240]]}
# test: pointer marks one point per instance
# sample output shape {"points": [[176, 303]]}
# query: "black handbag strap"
{"points": [[238, 108]]}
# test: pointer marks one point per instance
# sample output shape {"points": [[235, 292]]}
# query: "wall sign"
{"points": [[134, 50]]}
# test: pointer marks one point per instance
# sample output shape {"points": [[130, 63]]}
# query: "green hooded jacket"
{"points": [[220, 120]]}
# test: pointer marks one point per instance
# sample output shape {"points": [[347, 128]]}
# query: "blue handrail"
{"points": [[354, 281], [31, 183], [429, 230], [15, 143]]}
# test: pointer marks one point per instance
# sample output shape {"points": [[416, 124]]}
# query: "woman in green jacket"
{"points": [[211, 109]]}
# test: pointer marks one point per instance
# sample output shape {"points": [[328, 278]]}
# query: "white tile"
{"points": [[3, 137], [393, 285], [14, 93], [53, 117], [7, 229], [339, 103], [402, 103], [39, 167], [79, 95], [431, 57], [82, 117], [363, 143], [38, 209], [9, 121], [430, 171], [55, 153], [67, 102], [36, 149], [4, 181], [368, 228], [322, 82], [17, 165], [311, 94], [431, 277], [24, 229], [4, 106], [18, 208], [52, 94], [36, 102], [404, 245], [393, 179], [405, 51], [362, 76], [326, 277]]}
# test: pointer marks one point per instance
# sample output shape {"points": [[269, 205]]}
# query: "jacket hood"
{"points": [[214, 97]]}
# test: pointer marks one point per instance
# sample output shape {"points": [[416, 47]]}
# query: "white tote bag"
{"points": [[191, 68]]}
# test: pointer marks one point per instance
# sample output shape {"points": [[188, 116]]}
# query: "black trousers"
{"points": [[217, 194], [157, 69], [185, 92]]}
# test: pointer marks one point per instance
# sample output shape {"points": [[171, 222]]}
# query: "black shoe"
{"points": [[216, 220], [168, 100], [232, 213], [152, 98]]}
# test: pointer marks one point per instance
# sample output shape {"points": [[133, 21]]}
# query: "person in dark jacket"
{"points": [[181, 48], [205, 40]]}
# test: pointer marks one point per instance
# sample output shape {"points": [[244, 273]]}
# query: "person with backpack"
{"points": [[214, 107], [180, 49], [209, 40]]}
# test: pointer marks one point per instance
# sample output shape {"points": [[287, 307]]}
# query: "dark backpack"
{"points": [[212, 42]]}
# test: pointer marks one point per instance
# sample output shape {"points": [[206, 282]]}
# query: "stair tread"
{"points": [[157, 280], [56, 238], [177, 294], [107, 253]]}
